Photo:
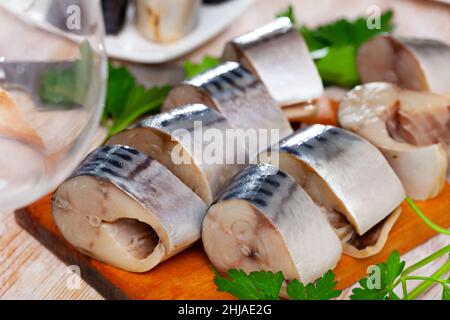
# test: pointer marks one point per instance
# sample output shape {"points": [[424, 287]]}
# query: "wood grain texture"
{"points": [[188, 275], [29, 271]]}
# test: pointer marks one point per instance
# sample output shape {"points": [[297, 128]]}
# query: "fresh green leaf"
{"points": [[192, 69], [127, 101], [388, 272], [259, 285], [139, 103], [338, 67], [344, 32], [120, 83], [322, 289], [288, 13]]}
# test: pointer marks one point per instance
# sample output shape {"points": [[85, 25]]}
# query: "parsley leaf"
{"points": [[120, 84], [379, 285], [259, 285], [322, 289], [192, 69], [338, 66], [264, 285], [127, 101]]}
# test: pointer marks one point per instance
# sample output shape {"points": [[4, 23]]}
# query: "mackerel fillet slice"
{"points": [[238, 95], [278, 55], [346, 176], [411, 128], [178, 140], [415, 64], [125, 209], [265, 221]]}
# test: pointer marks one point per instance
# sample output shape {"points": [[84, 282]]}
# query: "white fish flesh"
{"points": [[411, 128], [415, 64], [123, 208], [344, 175], [265, 221], [235, 93], [171, 139], [166, 20], [278, 55]]}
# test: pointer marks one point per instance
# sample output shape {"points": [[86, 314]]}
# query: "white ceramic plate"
{"points": [[131, 46]]}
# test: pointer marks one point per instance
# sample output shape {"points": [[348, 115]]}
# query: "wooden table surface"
{"points": [[29, 271]]}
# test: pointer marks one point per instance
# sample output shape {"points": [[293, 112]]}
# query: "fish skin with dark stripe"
{"points": [[235, 93], [346, 176], [122, 207], [160, 135], [265, 221], [278, 55]]}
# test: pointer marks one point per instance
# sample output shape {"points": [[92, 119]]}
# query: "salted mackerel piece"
{"points": [[265, 221], [126, 209], [411, 128], [280, 58], [175, 140], [346, 176], [416, 64], [234, 92]]}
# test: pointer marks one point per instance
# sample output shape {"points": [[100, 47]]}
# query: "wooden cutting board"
{"points": [[189, 276]]}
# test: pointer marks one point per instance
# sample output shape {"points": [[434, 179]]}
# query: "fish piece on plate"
{"points": [[265, 221], [238, 95], [279, 56], [347, 177], [166, 20], [411, 128], [126, 209], [174, 139], [416, 64]]}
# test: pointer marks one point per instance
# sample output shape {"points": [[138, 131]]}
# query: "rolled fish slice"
{"points": [[280, 58], [265, 221], [175, 140], [416, 64], [235, 93], [347, 177], [412, 129], [123, 208]]}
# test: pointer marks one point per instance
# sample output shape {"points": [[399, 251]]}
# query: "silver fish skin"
{"points": [[123, 208], [343, 172], [265, 221], [280, 58], [411, 63], [173, 139], [235, 93]]}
